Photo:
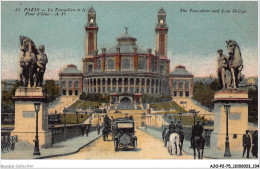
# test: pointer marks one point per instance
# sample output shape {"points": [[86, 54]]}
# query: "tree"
{"points": [[52, 89], [253, 106]]}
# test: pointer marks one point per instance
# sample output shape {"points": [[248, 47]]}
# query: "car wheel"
{"points": [[135, 144], [116, 145]]}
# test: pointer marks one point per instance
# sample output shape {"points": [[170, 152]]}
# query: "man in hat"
{"points": [[197, 131], [179, 127], [172, 126], [246, 144]]}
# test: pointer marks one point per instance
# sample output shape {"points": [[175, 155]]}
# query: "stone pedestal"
{"points": [[25, 116], [237, 119]]}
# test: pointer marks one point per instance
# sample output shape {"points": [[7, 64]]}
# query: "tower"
{"points": [[161, 34], [91, 28], [91, 33]]}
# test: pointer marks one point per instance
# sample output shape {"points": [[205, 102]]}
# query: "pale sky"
{"points": [[193, 37]]}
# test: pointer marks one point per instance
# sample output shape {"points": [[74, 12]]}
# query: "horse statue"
{"points": [[173, 145], [27, 62], [32, 63], [198, 144], [235, 62]]}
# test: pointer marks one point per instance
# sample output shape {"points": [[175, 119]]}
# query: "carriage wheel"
{"points": [[116, 145]]}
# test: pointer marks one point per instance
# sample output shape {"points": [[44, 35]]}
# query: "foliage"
{"points": [[7, 103], [167, 106], [204, 93], [96, 97], [253, 106], [52, 89], [153, 98], [85, 104], [72, 118]]}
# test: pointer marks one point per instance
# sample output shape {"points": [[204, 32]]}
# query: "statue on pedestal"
{"points": [[230, 67], [32, 63]]}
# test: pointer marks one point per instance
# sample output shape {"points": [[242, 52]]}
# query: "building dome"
{"points": [[181, 71], [126, 44], [70, 69], [91, 10], [161, 11]]}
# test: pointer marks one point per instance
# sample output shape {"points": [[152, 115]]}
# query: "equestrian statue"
{"points": [[32, 63], [230, 67]]}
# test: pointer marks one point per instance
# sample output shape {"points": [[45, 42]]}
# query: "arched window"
{"points": [[187, 85], [91, 20], [174, 85], [99, 64], [76, 84], [181, 85], [161, 69], [90, 67], [110, 64], [70, 84], [161, 21], [154, 65], [64, 84], [142, 64], [125, 64]]}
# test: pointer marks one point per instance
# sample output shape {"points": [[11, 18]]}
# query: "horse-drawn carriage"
{"points": [[124, 134]]}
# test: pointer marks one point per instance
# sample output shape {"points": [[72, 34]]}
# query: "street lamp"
{"points": [[227, 149], [36, 141], [180, 114]]}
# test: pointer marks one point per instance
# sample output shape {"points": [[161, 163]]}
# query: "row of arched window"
{"points": [[70, 84], [126, 64], [181, 85]]}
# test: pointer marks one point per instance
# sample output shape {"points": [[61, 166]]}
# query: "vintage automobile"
{"points": [[124, 134]]}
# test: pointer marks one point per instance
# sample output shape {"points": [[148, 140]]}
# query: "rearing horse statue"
{"points": [[27, 62], [235, 62]]}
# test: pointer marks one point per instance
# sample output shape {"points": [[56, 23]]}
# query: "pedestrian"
{"points": [[246, 143], [255, 143], [82, 129], [87, 130], [98, 129]]}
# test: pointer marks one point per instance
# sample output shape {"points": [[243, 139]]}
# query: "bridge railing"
{"points": [[8, 143], [62, 133]]}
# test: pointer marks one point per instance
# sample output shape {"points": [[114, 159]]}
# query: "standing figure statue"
{"points": [[27, 62], [230, 67], [42, 60]]}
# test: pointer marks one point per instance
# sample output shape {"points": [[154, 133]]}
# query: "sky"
{"points": [[193, 37]]}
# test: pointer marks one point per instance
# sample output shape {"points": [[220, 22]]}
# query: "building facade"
{"points": [[70, 81], [181, 82], [126, 71]]}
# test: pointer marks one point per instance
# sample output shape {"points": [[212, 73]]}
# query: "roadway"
{"points": [[148, 147]]}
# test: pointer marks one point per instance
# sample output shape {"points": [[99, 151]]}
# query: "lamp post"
{"points": [[227, 149], [36, 141], [180, 114]]}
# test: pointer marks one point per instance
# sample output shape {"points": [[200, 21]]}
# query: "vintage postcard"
{"points": [[163, 84]]}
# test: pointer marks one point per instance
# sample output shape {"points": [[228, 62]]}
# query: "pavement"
{"points": [[25, 150], [209, 153], [148, 147]]}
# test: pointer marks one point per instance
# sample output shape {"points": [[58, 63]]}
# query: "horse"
{"points": [[235, 62], [27, 59], [173, 143], [198, 144]]}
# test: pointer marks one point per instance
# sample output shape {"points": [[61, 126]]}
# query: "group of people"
{"points": [[173, 128], [85, 129], [247, 144]]}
